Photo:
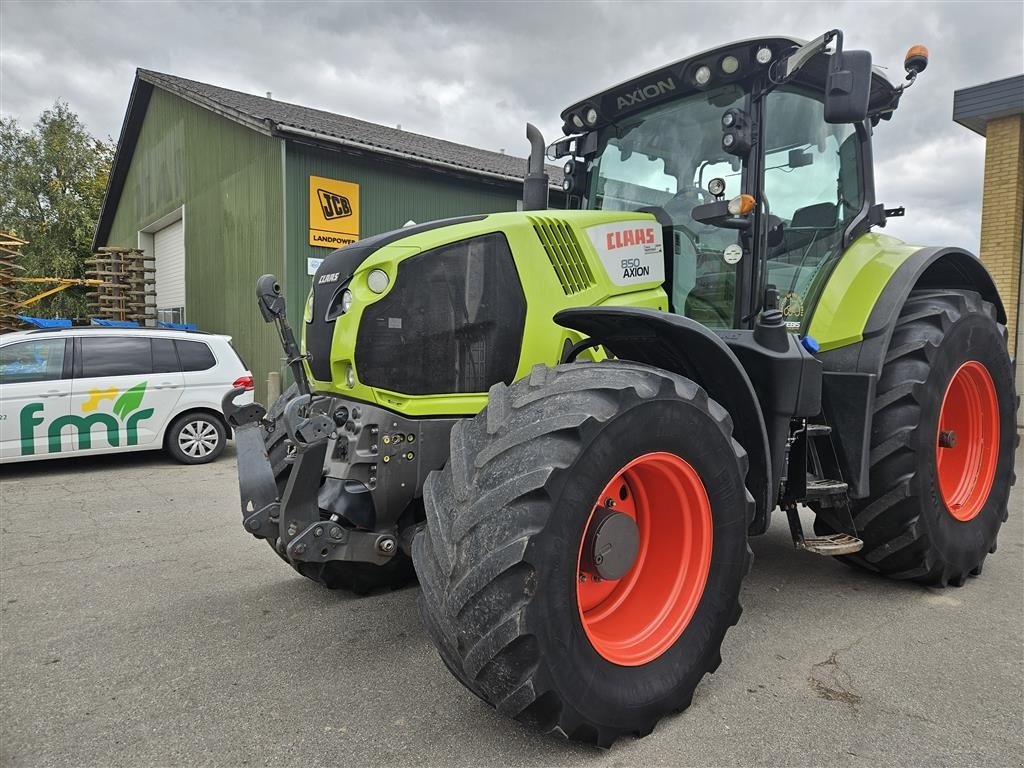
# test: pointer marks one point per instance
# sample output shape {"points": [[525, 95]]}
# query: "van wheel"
{"points": [[196, 438]]}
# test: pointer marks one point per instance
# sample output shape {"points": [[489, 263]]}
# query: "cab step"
{"points": [[818, 430], [832, 545], [823, 489], [829, 546]]}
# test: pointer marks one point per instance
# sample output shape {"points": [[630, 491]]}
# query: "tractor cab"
{"points": [[756, 159]]}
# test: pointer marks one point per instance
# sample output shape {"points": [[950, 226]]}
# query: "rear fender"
{"points": [[686, 347], [852, 368]]}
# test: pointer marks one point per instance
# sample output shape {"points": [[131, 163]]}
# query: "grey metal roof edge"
{"points": [[975, 105], [131, 126], [407, 156]]}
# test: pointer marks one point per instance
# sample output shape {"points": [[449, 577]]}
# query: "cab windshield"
{"points": [[663, 159]]}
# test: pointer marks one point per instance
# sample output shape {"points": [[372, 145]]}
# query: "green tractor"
{"points": [[568, 423]]}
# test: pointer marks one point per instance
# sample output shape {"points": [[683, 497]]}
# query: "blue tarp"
{"points": [[114, 323], [177, 326], [44, 322]]}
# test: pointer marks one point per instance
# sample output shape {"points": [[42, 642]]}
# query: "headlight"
{"points": [[340, 304], [308, 314], [350, 377], [377, 281]]}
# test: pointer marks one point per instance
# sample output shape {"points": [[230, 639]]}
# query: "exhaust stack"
{"points": [[535, 185]]}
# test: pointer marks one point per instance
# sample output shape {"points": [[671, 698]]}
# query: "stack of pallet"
{"points": [[10, 289], [128, 289]]}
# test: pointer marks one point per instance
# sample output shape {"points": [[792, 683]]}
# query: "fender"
{"points": [[852, 366], [686, 347]]}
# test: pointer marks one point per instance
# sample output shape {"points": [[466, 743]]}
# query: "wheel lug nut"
{"points": [[947, 438]]}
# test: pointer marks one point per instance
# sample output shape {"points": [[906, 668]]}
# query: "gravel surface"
{"points": [[141, 626]]}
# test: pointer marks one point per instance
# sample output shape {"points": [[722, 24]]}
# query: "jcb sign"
{"points": [[333, 212]]}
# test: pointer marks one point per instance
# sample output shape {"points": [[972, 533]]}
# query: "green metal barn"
{"points": [[222, 186]]}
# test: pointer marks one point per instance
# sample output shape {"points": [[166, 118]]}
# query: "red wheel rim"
{"points": [[635, 619], [967, 443]]}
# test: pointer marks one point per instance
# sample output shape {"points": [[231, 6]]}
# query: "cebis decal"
{"points": [[126, 412], [632, 252]]}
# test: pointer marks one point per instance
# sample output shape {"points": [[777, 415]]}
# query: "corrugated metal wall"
{"points": [[391, 193], [229, 180]]}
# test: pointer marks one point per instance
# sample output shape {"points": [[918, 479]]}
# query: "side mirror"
{"points": [[848, 87]]}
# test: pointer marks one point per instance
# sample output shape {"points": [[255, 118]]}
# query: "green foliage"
{"points": [[129, 400], [52, 180]]}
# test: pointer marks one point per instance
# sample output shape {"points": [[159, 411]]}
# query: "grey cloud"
{"points": [[476, 72]]}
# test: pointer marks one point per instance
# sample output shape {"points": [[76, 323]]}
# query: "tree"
{"points": [[52, 180]]}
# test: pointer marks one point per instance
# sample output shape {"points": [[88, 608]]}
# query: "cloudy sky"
{"points": [[475, 72]]}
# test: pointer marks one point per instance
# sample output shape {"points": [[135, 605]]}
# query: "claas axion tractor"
{"points": [[568, 423]]}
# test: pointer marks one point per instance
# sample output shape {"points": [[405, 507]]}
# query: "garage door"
{"points": [[169, 255]]}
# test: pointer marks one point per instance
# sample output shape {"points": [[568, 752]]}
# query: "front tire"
{"points": [[508, 560], [942, 443]]}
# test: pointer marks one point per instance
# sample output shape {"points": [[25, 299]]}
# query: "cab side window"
{"points": [[115, 356], [811, 192], [27, 361]]}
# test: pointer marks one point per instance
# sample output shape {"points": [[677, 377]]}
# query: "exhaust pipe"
{"points": [[535, 185]]}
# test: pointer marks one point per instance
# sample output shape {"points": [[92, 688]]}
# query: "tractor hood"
{"points": [[443, 310]]}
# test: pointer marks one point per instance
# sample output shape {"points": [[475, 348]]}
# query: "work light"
{"points": [[703, 75]]}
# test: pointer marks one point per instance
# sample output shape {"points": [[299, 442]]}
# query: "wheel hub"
{"points": [[644, 558], [613, 541], [967, 445]]}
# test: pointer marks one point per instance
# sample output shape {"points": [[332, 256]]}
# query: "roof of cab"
{"points": [[676, 74]]}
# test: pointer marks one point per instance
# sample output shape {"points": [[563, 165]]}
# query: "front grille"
{"points": [[564, 253], [452, 322]]}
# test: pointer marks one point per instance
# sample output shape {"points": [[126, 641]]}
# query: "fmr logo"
{"points": [[333, 205], [126, 408]]}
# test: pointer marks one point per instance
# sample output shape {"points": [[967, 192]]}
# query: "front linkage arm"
{"points": [[293, 519]]}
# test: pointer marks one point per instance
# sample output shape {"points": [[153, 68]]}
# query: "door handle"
{"points": [[165, 385], [53, 393]]}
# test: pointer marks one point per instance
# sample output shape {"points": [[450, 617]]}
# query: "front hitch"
{"points": [[257, 487]]}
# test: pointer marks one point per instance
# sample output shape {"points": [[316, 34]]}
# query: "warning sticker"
{"points": [[333, 212], [631, 251]]}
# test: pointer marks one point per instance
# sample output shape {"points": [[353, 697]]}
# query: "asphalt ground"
{"points": [[141, 626]]}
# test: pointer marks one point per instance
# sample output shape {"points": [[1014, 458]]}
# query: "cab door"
{"points": [[125, 390]]}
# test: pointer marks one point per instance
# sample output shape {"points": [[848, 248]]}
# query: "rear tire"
{"points": [[358, 578], [935, 510], [501, 560]]}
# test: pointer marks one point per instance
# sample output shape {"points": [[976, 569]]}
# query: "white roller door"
{"points": [[169, 255]]}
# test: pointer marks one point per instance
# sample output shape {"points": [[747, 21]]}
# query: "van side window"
{"points": [[115, 356], [27, 361], [194, 355], [165, 359]]}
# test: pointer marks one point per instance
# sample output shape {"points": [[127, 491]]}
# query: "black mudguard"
{"points": [[678, 344]]}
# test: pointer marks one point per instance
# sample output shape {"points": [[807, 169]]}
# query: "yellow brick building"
{"points": [[996, 111]]}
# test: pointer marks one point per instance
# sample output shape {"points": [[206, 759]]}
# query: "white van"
{"points": [[90, 390]]}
